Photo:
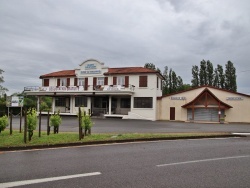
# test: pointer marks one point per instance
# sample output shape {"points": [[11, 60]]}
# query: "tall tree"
{"points": [[2, 89], [174, 82], [230, 77], [170, 81], [195, 74], [203, 73], [209, 73], [216, 78], [165, 85], [221, 77]]}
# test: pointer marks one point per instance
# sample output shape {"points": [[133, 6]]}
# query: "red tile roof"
{"points": [[63, 73], [129, 70]]}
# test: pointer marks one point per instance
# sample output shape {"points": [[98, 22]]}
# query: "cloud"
{"points": [[38, 37]]}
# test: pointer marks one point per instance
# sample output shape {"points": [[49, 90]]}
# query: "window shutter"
{"points": [[58, 82], [75, 81], [86, 84], [94, 82], [114, 80], [126, 81], [143, 81], [68, 81], [157, 82], [105, 80], [46, 82]]}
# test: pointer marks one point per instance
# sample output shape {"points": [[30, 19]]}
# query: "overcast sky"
{"points": [[42, 36]]}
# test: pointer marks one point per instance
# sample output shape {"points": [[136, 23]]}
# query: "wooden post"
{"points": [[80, 123], [25, 125], [40, 119], [21, 114], [48, 127], [11, 122]]}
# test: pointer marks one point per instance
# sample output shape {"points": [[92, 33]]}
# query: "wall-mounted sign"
{"points": [[90, 66], [91, 72], [178, 98], [234, 98], [14, 101]]}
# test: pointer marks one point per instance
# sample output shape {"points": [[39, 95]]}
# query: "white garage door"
{"points": [[205, 114]]}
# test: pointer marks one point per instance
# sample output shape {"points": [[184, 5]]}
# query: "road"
{"points": [[69, 123], [182, 163]]}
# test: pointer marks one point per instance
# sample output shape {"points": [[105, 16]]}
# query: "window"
{"points": [[81, 81], [100, 81], [46, 82], [125, 102], [121, 80], [60, 101], [143, 102], [143, 81], [63, 82], [81, 101]]}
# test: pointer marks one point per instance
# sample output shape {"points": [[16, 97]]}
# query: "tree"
{"points": [[221, 77], [209, 73], [216, 78], [230, 77], [150, 66], [2, 89], [203, 73], [165, 84], [195, 74]]}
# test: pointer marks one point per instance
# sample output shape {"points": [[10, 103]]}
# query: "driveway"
{"points": [[70, 124]]}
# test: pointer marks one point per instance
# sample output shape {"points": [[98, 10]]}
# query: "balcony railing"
{"points": [[104, 88]]}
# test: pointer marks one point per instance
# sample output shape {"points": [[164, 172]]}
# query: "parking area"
{"points": [[112, 125]]}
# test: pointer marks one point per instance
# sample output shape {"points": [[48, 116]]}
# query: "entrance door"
{"points": [[172, 113]]}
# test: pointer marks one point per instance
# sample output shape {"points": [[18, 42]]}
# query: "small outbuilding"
{"points": [[206, 104]]}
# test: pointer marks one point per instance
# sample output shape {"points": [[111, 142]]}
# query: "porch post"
{"points": [[193, 111], [53, 105], [110, 103], [38, 104]]}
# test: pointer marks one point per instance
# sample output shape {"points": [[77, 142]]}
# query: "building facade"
{"points": [[206, 104], [127, 92]]}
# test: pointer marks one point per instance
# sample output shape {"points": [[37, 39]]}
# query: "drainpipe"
{"points": [[110, 103]]}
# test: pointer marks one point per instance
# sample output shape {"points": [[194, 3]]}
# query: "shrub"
{"points": [[55, 121], [31, 121], [4, 122]]}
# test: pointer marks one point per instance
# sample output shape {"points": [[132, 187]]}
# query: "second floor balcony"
{"points": [[70, 89]]}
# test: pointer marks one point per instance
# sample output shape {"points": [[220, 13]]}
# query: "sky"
{"points": [[42, 36]]}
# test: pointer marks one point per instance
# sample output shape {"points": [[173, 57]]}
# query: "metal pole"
{"points": [[11, 122], [25, 126], [40, 118], [21, 114]]}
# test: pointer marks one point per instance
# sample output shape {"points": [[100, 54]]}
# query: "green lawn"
{"points": [[17, 139]]}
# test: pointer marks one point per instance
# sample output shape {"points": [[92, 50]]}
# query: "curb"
{"points": [[112, 142]]}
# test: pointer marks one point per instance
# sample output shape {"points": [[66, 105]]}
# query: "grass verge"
{"points": [[17, 139]]}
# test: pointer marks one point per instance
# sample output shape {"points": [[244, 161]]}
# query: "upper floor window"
{"points": [[100, 81], [121, 80], [46, 82], [143, 81], [63, 82], [81, 81]]}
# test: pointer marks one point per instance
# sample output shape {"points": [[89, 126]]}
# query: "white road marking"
{"points": [[204, 160], [28, 182]]}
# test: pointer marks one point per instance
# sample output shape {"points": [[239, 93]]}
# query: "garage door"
{"points": [[205, 114]]}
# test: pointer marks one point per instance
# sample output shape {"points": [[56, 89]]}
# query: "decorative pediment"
{"points": [[206, 99]]}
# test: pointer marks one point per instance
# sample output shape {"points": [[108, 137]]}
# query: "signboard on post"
{"points": [[14, 101]]}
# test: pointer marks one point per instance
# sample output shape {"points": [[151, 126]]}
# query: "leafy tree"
{"points": [[2, 89], [203, 73], [216, 78], [165, 84], [31, 121], [150, 66], [195, 73], [209, 73], [230, 77], [221, 76]]}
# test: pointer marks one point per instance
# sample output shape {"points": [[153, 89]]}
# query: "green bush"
{"points": [[4, 122], [31, 121], [55, 120]]}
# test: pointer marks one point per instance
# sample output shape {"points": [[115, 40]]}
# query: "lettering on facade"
{"points": [[91, 72], [234, 98], [178, 98], [90, 66]]}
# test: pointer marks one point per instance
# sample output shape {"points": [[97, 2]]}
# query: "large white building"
{"points": [[128, 92]]}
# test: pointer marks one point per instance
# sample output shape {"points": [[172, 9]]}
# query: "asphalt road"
{"points": [[70, 124], [183, 163]]}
